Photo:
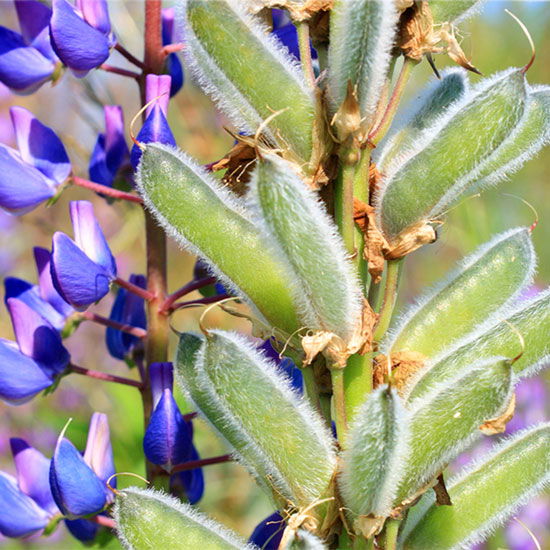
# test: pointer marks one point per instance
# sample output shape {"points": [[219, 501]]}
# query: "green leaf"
{"points": [[491, 277], [240, 392], [453, 11], [362, 33], [446, 421], [423, 187], [248, 73], [299, 230], [374, 453], [531, 320], [149, 520], [206, 220], [484, 496], [419, 116]]}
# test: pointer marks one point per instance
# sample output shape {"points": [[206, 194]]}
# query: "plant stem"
{"points": [[339, 404], [187, 289], [105, 377], [194, 464], [106, 322], [390, 295], [357, 382], [361, 192], [312, 391], [127, 55], [390, 536], [343, 201], [199, 302], [173, 48], [104, 190], [380, 131], [119, 71], [147, 295], [104, 521], [305, 53]]}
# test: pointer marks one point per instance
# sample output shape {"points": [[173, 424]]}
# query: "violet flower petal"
{"points": [[96, 13], [99, 452], [83, 530], [269, 532], [189, 484]]}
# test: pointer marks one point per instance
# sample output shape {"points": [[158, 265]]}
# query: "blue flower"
{"points": [[269, 532], [82, 270], [173, 64], [32, 174], [81, 35], [288, 36], [285, 365], [27, 60]]}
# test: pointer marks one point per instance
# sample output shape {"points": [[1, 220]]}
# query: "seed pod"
{"points": [[484, 496], [531, 321], [455, 11], [483, 283], [147, 519], [423, 187], [376, 447], [299, 231], [362, 33], [446, 421], [239, 391], [205, 219], [248, 73]]}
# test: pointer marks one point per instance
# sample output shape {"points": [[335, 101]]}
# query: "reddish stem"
{"points": [[105, 377], [190, 416], [186, 289], [135, 289], [172, 48], [119, 70], [104, 190], [100, 320], [200, 302], [126, 54], [104, 521], [194, 464]]}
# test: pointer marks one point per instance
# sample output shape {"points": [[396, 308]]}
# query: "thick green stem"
{"points": [[390, 295], [357, 382], [339, 404], [343, 201], [390, 534], [305, 52]]}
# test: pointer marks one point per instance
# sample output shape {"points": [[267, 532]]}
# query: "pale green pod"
{"points": [[427, 184], [299, 230], [150, 520], [453, 11], [531, 321], [247, 73], [362, 34], [419, 116], [484, 496], [205, 219], [482, 284], [374, 453], [446, 421], [240, 392], [304, 540]]}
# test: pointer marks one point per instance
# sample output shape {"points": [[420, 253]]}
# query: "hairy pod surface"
{"points": [[247, 73], [484, 496], [205, 219], [303, 237], [423, 187], [147, 520], [454, 11], [482, 284], [362, 33], [240, 392]]}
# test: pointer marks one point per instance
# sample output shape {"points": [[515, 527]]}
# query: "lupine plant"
{"points": [[345, 414]]}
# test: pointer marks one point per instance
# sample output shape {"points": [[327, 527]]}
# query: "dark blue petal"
{"points": [[175, 69], [79, 280], [96, 13], [161, 377], [269, 532], [40, 146], [167, 441], [89, 237], [79, 45], [280, 18], [23, 68], [17, 288], [155, 130], [22, 187], [46, 289], [288, 36], [33, 474], [82, 529], [97, 168], [20, 516], [99, 452], [76, 489], [33, 18], [189, 484], [21, 378], [37, 338], [285, 365]]}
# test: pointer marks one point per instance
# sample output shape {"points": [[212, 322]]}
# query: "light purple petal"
{"points": [[161, 377], [96, 13], [40, 146], [99, 452], [157, 87]]}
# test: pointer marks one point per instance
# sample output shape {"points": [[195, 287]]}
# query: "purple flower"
{"points": [[27, 60], [156, 128], [81, 35], [82, 270], [269, 532], [285, 365], [32, 174], [26, 502], [288, 36], [111, 152], [128, 309], [201, 271], [173, 64]]}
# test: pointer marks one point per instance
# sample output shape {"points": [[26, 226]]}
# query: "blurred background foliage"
{"points": [[74, 109]]}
